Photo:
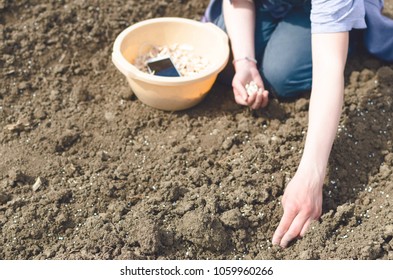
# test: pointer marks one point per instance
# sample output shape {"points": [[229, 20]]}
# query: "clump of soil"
{"points": [[89, 172]]}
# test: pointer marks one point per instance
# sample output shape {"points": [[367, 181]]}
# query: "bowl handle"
{"points": [[121, 65]]}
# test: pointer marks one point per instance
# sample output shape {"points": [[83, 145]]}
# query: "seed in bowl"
{"points": [[182, 56]]}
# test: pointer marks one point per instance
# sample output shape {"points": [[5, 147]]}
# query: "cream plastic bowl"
{"points": [[171, 93]]}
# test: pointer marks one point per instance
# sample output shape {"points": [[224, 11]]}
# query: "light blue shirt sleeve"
{"points": [[337, 15]]}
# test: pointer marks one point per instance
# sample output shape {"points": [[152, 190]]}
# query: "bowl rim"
{"points": [[128, 69]]}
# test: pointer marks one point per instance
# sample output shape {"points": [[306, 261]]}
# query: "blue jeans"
{"points": [[378, 37], [283, 51]]}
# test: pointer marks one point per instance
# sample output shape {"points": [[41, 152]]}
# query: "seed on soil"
{"points": [[37, 184]]}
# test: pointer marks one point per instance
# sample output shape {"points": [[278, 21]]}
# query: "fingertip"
{"points": [[284, 242], [276, 242], [284, 245], [265, 100], [260, 100], [277, 236]]}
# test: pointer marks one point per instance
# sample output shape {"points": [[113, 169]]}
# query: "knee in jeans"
{"points": [[383, 52], [287, 80], [276, 79]]}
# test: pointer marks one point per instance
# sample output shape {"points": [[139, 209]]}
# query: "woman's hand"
{"points": [[302, 203], [246, 71], [302, 198], [239, 19]]}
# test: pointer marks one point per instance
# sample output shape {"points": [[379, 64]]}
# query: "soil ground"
{"points": [[89, 172]]}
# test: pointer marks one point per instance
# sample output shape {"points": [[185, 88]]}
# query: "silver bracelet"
{"points": [[245, 58]]}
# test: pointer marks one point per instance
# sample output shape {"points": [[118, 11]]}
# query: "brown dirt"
{"points": [[120, 180]]}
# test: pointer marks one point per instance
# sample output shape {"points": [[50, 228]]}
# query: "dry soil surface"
{"points": [[89, 172]]}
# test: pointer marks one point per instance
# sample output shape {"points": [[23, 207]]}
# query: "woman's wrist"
{"points": [[315, 169], [240, 64], [244, 58]]}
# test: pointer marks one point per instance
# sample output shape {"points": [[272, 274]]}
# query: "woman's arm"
{"points": [[239, 18], [302, 199]]}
